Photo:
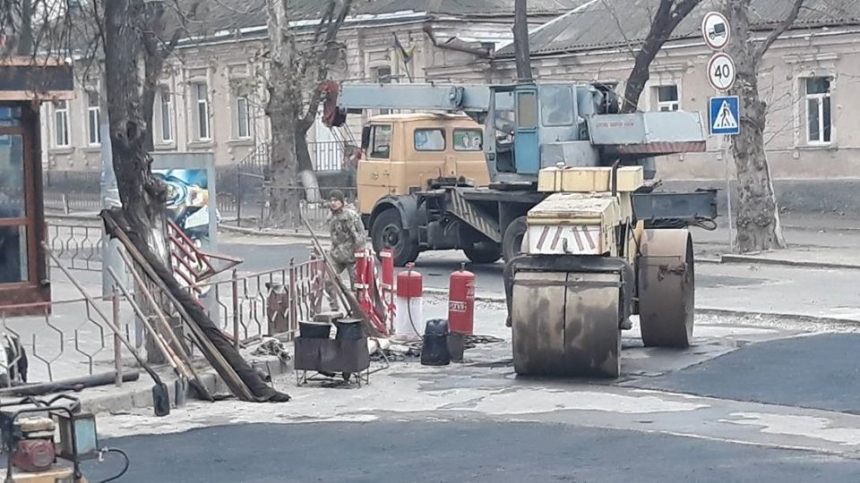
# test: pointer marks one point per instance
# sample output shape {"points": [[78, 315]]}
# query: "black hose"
{"points": [[124, 470]]}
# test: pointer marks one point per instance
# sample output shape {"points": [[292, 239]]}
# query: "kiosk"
{"points": [[25, 83]]}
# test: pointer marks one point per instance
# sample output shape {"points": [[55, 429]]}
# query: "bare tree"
{"points": [[296, 67], [758, 225], [669, 14], [158, 48], [142, 194]]}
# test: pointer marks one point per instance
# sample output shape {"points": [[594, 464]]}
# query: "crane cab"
{"points": [[402, 153]]}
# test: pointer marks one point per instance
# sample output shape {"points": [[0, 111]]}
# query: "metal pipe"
{"points": [[155, 377], [183, 356], [117, 348]]}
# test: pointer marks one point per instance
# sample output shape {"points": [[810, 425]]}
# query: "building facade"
{"points": [[212, 95], [806, 79]]}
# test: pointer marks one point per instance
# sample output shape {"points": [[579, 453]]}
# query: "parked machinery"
{"points": [[570, 207], [588, 265], [37, 433]]}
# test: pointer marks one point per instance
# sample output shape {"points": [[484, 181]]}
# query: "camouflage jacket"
{"points": [[347, 235]]}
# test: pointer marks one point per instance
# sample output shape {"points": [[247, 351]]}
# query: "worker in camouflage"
{"points": [[347, 236]]}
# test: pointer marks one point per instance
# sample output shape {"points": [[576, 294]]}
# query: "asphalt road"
{"points": [[491, 451], [762, 288]]}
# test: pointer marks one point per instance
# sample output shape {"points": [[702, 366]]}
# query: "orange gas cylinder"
{"points": [[461, 301]]}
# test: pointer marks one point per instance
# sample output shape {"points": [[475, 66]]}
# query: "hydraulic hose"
{"points": [[124, 470]]}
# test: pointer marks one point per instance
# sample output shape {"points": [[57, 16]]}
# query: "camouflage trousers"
{"points": [[331, 291]]}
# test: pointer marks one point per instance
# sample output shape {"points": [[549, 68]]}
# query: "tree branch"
{"points": [[323, 62], [779, 30]]}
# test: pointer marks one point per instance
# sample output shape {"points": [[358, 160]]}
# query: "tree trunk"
{"points": [[521, 42], [669, 15], [142, 195], [638, 78], [305, 164], [25, 37], [758, 226], [284, 194]]}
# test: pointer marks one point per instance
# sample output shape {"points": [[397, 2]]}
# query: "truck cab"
{"points": [[404, 153]]}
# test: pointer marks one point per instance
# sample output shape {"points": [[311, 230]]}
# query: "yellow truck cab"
{"points": [[403, 152]]}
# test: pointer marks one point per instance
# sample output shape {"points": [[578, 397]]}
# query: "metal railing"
{"points": [[78, 243], [66, 339], [268, 303]]}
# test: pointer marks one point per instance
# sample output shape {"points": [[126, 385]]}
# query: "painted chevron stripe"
{"points": [[572, 239], [462, 209]]}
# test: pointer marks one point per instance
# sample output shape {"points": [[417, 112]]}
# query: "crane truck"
{"points": [[570, 205]]}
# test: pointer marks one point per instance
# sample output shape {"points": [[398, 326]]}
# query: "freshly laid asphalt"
{"points": [[817, 371], [491, 451]]}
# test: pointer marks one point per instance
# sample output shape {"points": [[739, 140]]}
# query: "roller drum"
{"points": [[566, 323]]}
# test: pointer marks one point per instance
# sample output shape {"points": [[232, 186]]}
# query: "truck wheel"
{"points": [[512, 241], [483, 253], [387, 232]]}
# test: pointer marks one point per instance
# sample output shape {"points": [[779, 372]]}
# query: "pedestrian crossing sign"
{"points": [[724, 115]]}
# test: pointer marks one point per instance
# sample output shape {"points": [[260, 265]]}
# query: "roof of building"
{"points": [[598, 24], [240, 14]]}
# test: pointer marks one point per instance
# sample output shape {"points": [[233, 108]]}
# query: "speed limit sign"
{"points": [[721, 72]]}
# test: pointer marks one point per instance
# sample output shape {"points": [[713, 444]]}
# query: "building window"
{"points": [[93, 119], [201, 113], [667, 98], [61, 124], [429, 140], [818, 110], [165, 106], [243, 117]]}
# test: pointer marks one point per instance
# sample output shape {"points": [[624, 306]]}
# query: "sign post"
{"points": [[723, 111]]}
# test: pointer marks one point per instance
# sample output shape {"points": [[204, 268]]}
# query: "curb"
{"points": [[255, 232], [784, 262], [782, 315], [141, 397], [698, 310]]}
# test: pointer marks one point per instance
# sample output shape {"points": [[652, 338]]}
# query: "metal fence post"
{"points": [[117, 347], [235, 286], [238, 196], [293, 298]]}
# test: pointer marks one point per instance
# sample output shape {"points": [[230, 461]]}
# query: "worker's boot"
{"points": [[626, 324]]}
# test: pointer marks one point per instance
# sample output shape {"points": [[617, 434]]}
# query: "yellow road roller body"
{"points": [[587, 266]]}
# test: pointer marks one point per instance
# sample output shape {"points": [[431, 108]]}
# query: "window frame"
{"points": [[375, 128], [467, 129], [425, 129], [824, 129], [543, 101], [165, 113], [238, 99], [673, 105], [93, 117], [62, 112], [202, 112]]}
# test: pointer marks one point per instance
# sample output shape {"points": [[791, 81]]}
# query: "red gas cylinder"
{"points": [[461, 302], [409, 314]]}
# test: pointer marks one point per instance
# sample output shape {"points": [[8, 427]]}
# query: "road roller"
{"points": [[587, 264]]}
